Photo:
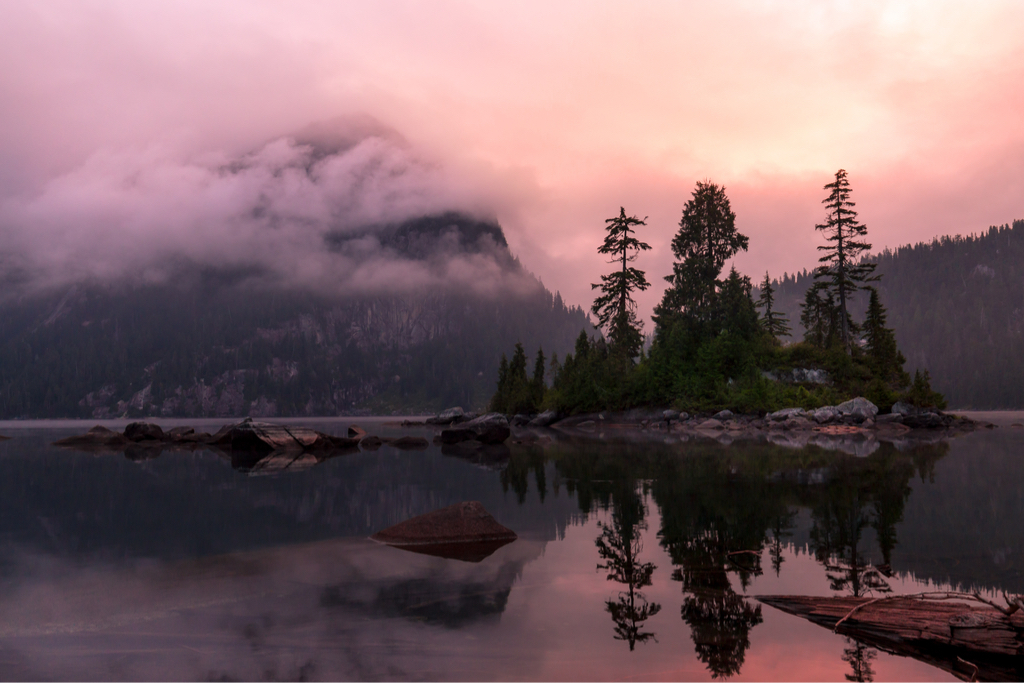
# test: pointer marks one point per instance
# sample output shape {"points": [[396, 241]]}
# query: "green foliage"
{"points": [[921, 393], [883, 355], [516, 393], [615, 308]]}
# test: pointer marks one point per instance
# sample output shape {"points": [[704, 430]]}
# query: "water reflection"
{"points": [[620, 545], [187, 541]]}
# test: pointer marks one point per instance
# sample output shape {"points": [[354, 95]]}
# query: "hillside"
{"points": [[957, 307], [216, 342]]}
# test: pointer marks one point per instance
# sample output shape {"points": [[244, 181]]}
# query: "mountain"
{"points": [[957, 307], [227, 341]]}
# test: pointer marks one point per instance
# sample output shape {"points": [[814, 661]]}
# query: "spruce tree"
{"points": [[615, 308], [886, 360], [706, 239], [772, 322], [839, 271], [537, 384]]}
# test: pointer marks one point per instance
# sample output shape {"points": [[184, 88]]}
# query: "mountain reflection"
{"points": [[620, 545]]}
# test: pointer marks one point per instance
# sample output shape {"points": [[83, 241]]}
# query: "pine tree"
{"points": [[772, 322], [706, 239], [886, 360], [615, 308], [839, 272], [537, 384]]}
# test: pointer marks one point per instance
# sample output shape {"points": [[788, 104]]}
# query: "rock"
{"points": [[4, 438], [180, 432], [889, 418], [710, 424], [722, 415], [785, 414], [370, 443], [144, 431], [491, 428], [355, 432], [901, 408], [264, 437], [520, 420], [859, 409], [464, 531], [927, 420], [796, 422], [587, 425], [545, 419], [868, 423], [97, 437], [447, 417], [683, 417], [825, 414], [669, 415], [798, 376], [408, 443]]}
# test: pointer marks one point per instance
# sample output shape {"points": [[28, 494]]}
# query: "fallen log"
{"points": [[963, 634]]}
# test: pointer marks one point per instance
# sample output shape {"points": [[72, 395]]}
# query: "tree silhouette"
{"points": [[772, 322], [839, 271], [706, 239], [620, 545], [615, 308]]}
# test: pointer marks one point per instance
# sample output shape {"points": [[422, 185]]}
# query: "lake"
{"points": [[635, 559]]}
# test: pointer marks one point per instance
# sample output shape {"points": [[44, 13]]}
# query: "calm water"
{"points": [[634, 561]]}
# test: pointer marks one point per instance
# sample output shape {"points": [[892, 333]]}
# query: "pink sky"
{"points": [[557, 113]]}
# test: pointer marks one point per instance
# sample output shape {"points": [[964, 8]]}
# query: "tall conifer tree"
{"points": [[615, 308], [839, 271]]}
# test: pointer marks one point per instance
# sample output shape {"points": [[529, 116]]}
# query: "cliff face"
{"points": [[219, 344]]}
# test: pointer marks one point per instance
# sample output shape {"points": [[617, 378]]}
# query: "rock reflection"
{"points": [[620, 545]]}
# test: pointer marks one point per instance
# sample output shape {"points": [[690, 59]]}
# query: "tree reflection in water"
{"points": [[859, 656], [620, 545]]}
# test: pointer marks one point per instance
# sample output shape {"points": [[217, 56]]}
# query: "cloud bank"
{"points": [[312, 210]]}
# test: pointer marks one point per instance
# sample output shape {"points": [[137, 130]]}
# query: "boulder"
{"points": [[669, 415], [264, 437], [520, 420], [355, 432], [491, 428], [723, 415], [826, 414], [178, 433], [888, 418], [926, 420], [97, 437], [464, 531], [902, 408], [446, 417], [545, 419], [587, 425], [786, 413], [710, 424], [144, 431], [859, 409]]}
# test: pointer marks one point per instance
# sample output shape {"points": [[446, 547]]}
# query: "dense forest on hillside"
{"points": [[212, 343], [956, 305]]}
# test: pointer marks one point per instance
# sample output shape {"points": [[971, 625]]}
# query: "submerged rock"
{"points": [[408, 443], [491, 428], [97, 437], [464, 531]]}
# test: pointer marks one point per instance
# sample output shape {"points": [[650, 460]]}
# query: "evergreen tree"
{"points": [[537, 384], [615, 308], [706, 239], [772, 322], [886, 360], [839, 271]]}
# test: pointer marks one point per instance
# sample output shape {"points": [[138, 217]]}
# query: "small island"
{"points": [[715, 348]]}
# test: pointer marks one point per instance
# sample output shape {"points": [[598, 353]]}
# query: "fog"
{"points": [[306, 210]]}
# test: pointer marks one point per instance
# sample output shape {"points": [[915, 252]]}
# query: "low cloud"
{"points": [[313, 210]]}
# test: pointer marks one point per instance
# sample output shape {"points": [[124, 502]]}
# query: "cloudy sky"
{"points": [[548, 115]]}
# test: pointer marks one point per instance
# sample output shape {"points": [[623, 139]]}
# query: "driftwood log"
{"points": [[969, 637]]}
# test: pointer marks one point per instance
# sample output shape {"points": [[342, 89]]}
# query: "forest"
{"points": [[714, 346]]}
